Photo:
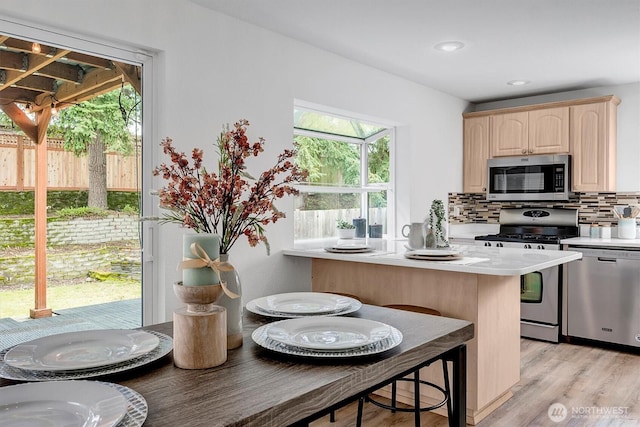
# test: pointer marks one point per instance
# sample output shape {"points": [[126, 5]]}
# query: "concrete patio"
{"points": [[125, 314]]}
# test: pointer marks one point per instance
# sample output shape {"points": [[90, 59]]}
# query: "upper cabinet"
{"points": [[584, 128], [593, 146], [475, 154], [543, 131]]}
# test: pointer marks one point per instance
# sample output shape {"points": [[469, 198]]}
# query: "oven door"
{"points": [[539, 303]]}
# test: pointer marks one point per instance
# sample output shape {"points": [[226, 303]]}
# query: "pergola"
{"points": [[40, 78]]}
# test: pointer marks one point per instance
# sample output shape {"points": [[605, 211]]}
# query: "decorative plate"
{"points": [[304, 303], [62, 403], [81, 350], [16, 374]]}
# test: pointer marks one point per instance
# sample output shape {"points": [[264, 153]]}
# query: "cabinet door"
{"points": [[475, 154], [593, 149], [509, 134], [549, 131]]}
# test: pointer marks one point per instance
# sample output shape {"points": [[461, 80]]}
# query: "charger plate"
{"points": [[164, 347], [339, 333], [304, 303], [72, 351]]}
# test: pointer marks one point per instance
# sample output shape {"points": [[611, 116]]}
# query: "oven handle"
{"points": [[537, 324]]}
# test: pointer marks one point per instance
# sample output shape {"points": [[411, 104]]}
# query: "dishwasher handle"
{"points": [[603, 259]]}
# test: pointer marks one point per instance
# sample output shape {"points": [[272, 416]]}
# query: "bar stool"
{"points": [[416, 409]]}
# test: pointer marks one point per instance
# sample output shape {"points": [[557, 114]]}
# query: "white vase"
{"points": [[233, 305]]}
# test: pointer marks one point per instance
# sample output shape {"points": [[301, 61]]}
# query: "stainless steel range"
{"points": [[537, 229]]}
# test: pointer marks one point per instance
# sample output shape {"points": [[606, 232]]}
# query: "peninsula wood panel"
{"points": [[492, 303]]}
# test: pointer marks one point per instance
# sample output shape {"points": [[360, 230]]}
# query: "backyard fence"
{"points": [[66, 171], [318, 224]]}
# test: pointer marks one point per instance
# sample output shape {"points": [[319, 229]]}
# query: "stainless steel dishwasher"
{"points": [[603, 295]]}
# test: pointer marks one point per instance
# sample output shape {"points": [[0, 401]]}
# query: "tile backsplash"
{"points": [[593, 208]]}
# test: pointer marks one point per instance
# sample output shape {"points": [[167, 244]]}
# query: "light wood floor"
{"points": [[581, 377]]}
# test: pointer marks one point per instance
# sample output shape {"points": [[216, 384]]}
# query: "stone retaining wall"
{"points": [[77, 262], [19, 232]]}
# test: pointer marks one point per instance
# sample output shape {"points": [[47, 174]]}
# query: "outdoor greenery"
{"points": [[22, 202], [335, 163], [82, 212]]}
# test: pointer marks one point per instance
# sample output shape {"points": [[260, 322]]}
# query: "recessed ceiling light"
{"points": [[451, 46], [518, 82]]}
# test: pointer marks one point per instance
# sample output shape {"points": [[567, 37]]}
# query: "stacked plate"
{"points": [[327, 337], [349, 248], [434, 254], [79, 355], [71, 403], [303, 304]]}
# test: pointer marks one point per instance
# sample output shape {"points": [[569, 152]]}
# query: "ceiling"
{"points": [[555, 45], [56, 77]]}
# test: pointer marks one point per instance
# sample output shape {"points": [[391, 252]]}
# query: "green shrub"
{"points": [[132, 210], [82, 212]]}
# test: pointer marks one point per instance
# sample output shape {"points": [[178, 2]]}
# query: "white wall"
{"points": [[211, 69], [628, 172]]}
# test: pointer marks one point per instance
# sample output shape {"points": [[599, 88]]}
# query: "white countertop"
{"points": [[476, 259], [613, 242]]}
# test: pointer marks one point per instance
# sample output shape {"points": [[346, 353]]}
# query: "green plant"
{"points": [[128, 209], [437, 218], [344, 225], [82, 212]]}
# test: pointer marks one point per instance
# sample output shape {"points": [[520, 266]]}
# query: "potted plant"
{"points": [[437, 225], [346, 230]]}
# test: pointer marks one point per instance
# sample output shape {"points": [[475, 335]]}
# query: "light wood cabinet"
{"points": [[593, 146], [549, 131], [584, 128], [510, 134], [543, 131], [475, 154]]}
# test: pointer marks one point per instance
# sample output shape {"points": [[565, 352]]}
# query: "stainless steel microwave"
{"points": [[529, 178]]}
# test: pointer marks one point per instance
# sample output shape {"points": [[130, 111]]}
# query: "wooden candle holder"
{"points": [[200, 328]]}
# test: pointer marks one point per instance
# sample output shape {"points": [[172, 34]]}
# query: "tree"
{"points": [[95, 127]]}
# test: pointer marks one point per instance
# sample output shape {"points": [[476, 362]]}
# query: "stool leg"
{"points": [[332, 417], [394, 388], [360, 407], [416, 396], [447, 387]]}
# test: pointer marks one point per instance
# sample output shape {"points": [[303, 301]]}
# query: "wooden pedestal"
{"points": [[199, 338]]}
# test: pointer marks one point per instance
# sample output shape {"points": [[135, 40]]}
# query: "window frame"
{"points": [[365, 187]]}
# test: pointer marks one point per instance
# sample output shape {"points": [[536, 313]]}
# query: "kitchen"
{"points": [[431, 124]]}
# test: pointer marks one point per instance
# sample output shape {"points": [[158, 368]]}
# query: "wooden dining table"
{"points": [[259, 387]]}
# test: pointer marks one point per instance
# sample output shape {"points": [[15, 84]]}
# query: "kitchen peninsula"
{"points": [[482, 287]]}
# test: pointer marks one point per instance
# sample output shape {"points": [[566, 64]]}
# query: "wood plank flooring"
{"points": [[587, 380]]}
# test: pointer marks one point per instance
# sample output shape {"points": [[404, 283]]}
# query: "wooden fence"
{"points": [[320, 224], [66, 171]]}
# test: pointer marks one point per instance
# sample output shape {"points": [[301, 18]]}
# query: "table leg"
{"points": [[458, 356]]}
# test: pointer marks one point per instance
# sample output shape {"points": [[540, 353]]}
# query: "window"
{"points": [[350, 175]]}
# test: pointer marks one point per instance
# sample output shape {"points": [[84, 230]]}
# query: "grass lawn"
{"points": [[16, 303]]}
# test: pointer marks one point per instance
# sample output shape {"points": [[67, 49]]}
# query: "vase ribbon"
{"points": [[202, 260]]}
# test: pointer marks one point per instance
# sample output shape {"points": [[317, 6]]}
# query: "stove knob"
{"points": [[540, 247], [527, 246], [487, 243], [499, 245]]}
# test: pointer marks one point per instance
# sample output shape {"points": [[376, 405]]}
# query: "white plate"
{"points": [[433, 258], [251, 306], [349, 247], [328, 333], [61, 404], [348, 251], [305, 303], [81, 350], [261, 338], [434, 252], [16, 374]]}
